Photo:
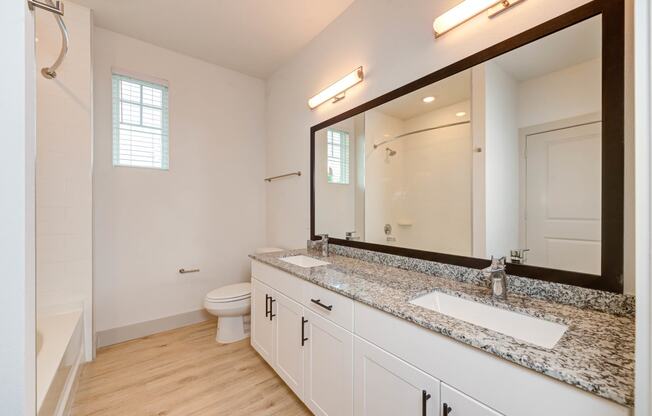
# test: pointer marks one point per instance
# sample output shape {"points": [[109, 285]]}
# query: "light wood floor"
{"points": [[183, 372]]}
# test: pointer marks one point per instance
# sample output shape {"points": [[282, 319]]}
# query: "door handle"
{"points": [[271, 308], [304, 321], [267, 297], [447, 410], [318, 302], [424, 402]]}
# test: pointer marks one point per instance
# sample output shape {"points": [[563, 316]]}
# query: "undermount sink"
{"points": [[522, 327], [304, 261]]}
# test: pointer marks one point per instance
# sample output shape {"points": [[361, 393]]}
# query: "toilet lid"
{"points": [[231, 292]]}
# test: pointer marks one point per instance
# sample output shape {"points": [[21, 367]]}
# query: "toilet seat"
{"points": [[230, 293]]}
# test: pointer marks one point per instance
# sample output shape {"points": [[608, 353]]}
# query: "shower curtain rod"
{"points": [[377, 145], [56, 9]]}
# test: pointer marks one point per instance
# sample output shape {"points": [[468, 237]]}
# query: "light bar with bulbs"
{"points": [[467, 10], [337, 90]]}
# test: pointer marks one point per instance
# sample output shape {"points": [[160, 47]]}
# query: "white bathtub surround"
{"points": [[207, 211], [64, 169], [59, 357]]}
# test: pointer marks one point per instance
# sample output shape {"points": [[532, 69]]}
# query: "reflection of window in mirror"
{"points": [[337, 156]]}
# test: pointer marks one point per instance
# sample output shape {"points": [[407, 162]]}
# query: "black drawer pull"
{"points": [[271, 308], [424, 402], [267, 298], [318, 302], [447, 410], [304, 321]]}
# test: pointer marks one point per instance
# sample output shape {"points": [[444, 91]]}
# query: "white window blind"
{"points": [[338, 156], [140, 123]]}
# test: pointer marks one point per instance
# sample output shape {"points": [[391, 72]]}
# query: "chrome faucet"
{"points": [[497, 277], [324, 245], [350, 235]]}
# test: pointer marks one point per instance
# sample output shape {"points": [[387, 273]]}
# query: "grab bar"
{"points": [[57, 9], [298, 173]]}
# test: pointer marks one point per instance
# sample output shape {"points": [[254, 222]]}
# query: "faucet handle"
{"points": [[497, 264], [324, 237]]}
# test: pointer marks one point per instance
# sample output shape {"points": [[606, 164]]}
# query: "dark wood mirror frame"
{"points": [[613, 102]]}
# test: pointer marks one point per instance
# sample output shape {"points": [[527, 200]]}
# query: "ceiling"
{"points": [[579, 43], [448, 91], [250, 36]]}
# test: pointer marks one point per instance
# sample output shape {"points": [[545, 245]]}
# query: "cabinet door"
{"points": [[457, 403], [288, 356], [328, 367], [388, 386], [262, 327]]}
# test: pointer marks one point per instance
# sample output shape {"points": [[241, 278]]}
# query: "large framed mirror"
{"points": [[515, 151]]}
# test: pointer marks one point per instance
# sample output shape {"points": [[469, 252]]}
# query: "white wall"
{"points": [[570, 92], [643, 173], [17, 257], [501, 160], [64, 222], [207, 211], [395, 45]]}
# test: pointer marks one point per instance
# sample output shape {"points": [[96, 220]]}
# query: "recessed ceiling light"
{"points": [[428, 99], [460, 114]]}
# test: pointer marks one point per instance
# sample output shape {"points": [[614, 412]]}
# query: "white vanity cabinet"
{"points": [[343, 358], [388, 386], [328, 367], [294, 329], [288, 345], [262, 327], [454, 402]]}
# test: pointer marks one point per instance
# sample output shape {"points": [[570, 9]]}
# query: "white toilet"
{"points": [[232, 306]]}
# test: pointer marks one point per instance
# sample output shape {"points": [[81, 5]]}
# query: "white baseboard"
{"points": [[143, 329]]}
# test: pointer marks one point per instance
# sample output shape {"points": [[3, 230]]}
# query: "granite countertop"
{"points": [[595, 354]]}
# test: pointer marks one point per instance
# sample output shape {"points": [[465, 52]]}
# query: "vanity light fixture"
{"points": [[428, 99], [468, 9], [337, 90]]}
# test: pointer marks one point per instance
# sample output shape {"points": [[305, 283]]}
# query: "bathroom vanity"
{"points": [[514, 152], [348, 339]]}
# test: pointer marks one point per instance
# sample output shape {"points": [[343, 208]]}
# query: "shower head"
{"points": [[390, 152]]}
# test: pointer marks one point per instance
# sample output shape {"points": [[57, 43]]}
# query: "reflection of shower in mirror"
{"points": [[389, 153]]}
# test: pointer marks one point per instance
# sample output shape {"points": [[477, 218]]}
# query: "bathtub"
{"points": [[59, 345]]}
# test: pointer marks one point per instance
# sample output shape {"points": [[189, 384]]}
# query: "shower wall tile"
{"points": [[63, 169]]}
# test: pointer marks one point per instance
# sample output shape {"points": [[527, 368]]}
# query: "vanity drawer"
{"points": [[279, 280], [330, 305]]}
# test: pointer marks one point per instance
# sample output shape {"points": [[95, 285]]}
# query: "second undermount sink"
{"points": [[523, 327], [304, 261]]}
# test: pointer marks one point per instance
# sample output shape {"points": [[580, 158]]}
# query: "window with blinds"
{"points": [[338, 156], [140, 123]]}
